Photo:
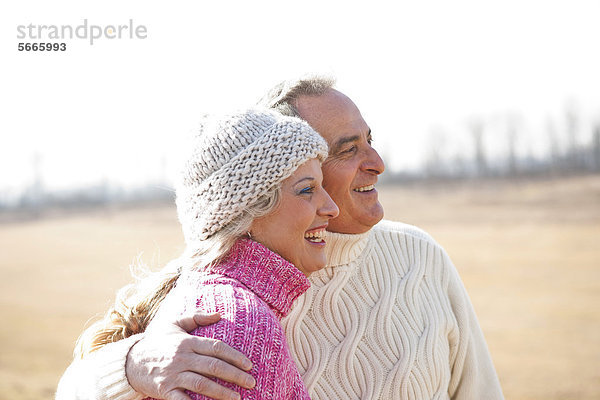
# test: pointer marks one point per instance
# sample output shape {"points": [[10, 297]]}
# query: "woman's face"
{"points": [[296, 228]]}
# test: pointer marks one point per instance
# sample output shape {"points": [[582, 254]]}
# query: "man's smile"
{"points": [[366, 188]]}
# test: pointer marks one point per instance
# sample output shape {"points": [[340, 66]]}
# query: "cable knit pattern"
{"points": [[252, 289], [234, 160], [389, 319]]}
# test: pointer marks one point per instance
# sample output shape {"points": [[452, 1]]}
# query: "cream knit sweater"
{"points": [[388, 318]]}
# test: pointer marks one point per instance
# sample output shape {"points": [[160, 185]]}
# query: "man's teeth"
{"points": [[316, 237], [365, 188]]}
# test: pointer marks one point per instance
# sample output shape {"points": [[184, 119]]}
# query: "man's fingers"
{"points": [[222, 351], [202, 319], [205, 386], [214, 367], [177, 394], [189, 322]]}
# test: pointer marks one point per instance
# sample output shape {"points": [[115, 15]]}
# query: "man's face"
{"points": [[352, 167]]}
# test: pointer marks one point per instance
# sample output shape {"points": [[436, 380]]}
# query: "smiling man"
{"points": [[352, 167], [388, 318]]}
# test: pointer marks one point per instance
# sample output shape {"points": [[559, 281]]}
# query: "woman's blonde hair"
{"points": [[231, 174], [136, 304]]}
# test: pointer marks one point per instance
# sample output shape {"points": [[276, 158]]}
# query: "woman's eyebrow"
{"points": [[306, 178]]}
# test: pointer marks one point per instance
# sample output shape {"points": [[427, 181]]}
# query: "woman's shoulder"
{"points": [[245, 307], [247, 322], [238, 306], [217, 289]]}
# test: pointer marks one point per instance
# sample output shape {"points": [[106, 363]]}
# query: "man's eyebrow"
{"points": [[343, 141]]}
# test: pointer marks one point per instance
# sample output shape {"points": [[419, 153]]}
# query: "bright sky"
{"points": [[113, 110]]}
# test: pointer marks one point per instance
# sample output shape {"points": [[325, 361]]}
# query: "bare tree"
{"points": [[477, 129], [572, 130], [596, 148], [434, 159], [36, 190], [554, 148], [513, 123]]}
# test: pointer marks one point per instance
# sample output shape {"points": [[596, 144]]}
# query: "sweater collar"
{"points": [[343, 248], [275, 280]]}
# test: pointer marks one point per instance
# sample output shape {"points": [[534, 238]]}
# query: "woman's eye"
{"points": [[309, 189]]}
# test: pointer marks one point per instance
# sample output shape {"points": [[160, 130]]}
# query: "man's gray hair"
{"points": [[283, 96]]}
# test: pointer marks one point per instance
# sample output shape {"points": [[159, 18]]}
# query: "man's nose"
{"points": [[373, 163]]}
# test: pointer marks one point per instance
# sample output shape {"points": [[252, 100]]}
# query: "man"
{"points": [[387, 319]]}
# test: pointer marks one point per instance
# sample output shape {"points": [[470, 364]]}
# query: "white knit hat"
{"points": [[234, 160]]}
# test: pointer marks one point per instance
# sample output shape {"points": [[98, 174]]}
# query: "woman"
{"points": [[253, 211]]}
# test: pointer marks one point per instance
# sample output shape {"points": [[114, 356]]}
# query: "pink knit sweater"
{"points": [[252, 289]]}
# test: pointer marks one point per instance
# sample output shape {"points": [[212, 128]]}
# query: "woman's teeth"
{"points": [[315, 237], [365, 188]]}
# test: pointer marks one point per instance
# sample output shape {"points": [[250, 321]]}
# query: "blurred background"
{"points": [[487, 115]]}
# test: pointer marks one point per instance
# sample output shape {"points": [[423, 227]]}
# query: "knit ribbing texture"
{"points": [[252, 289]]}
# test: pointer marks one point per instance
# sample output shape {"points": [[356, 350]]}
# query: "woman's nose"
{"points": [[329, 208]]}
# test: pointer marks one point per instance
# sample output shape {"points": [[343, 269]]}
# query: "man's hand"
{"points": [[165, 363]]}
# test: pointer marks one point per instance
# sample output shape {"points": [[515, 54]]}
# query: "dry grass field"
{"points": [[529, 255]]}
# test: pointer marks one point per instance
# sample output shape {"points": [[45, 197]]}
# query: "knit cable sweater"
{"points": [[388, 319]]}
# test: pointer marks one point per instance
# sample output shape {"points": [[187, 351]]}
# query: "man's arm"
{"points": [[160, 364], [100, 375]]}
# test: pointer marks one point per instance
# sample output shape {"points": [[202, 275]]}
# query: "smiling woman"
{"points": [[296, 229], [254, 171]]}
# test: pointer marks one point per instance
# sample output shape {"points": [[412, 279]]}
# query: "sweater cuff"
{"points": [[112, 381]]}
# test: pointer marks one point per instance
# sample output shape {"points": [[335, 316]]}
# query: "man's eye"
{"points": [[349, 150], [370, 141]]}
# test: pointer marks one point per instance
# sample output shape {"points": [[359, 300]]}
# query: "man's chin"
{"points": [[358, 222], [373, 213], [375, 216]]}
